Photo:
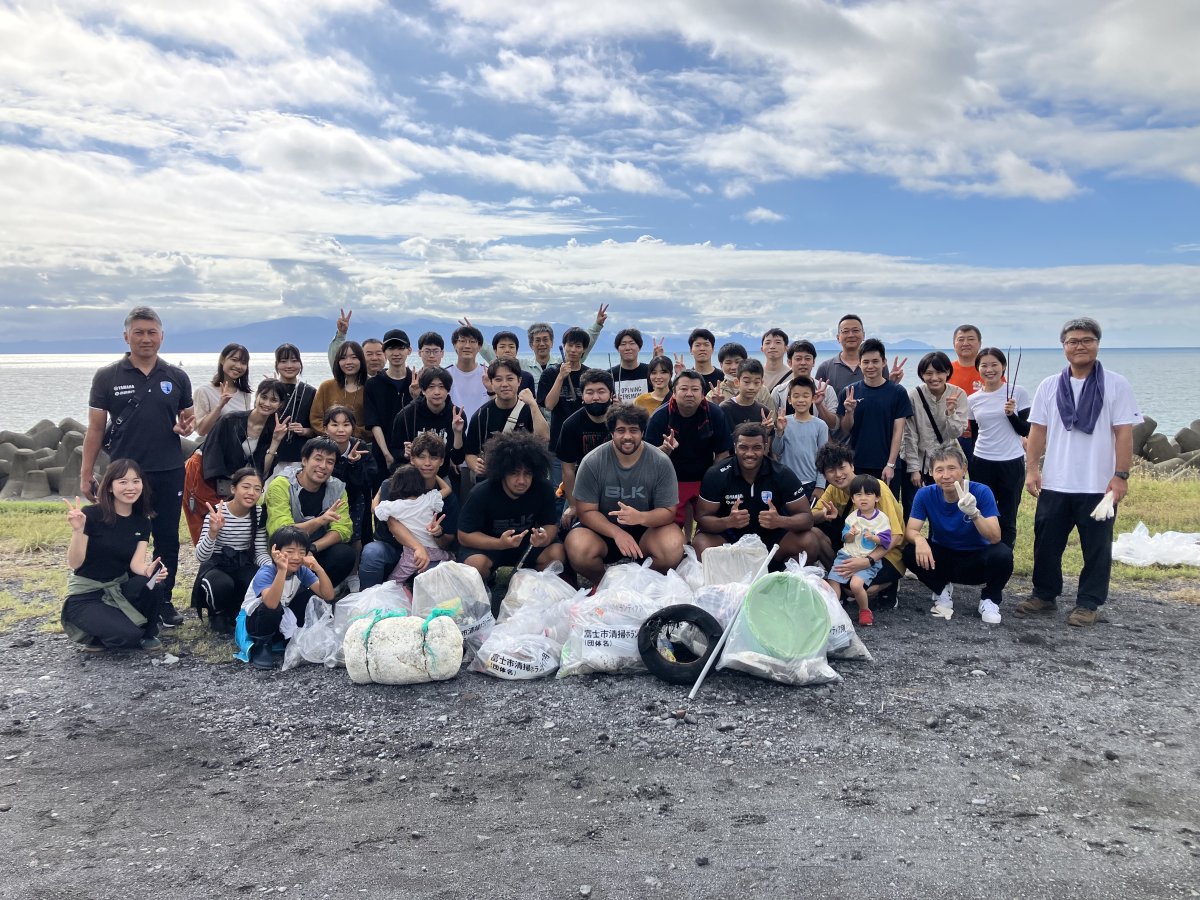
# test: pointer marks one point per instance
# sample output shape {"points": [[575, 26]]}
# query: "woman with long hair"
{"points": [[660, 371], [227, 392], [345, 388], [296, 398], [113, 589], [999, 421]]}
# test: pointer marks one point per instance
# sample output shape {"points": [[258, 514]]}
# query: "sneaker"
{"points": [[261, 656], [865, 617], [92, 646], [943, 605], [989, 612], [169, 616], [151, 644], [1034, 607], [1082, 617], [889, 597], [353, 585]]}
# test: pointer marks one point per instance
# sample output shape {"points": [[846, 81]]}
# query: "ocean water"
{"points": [[35, 387]]}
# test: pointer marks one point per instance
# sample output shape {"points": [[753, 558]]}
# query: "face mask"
{"points": [[596, 408]]}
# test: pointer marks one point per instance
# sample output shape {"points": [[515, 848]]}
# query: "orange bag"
{"points": [[197, 493]]}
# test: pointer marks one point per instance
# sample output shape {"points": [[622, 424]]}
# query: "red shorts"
{"points": [[689, 492]]}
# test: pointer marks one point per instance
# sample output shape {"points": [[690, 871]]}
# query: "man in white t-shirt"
{"points": [[1082, 420]]}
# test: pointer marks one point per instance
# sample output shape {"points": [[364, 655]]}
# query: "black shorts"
{"points": [[614, 555], [502, 558]]}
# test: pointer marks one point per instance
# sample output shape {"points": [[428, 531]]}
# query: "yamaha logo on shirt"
{"points": [[166, 386]]}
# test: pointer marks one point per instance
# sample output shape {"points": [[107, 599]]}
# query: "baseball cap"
{"points": [[396, 336]]}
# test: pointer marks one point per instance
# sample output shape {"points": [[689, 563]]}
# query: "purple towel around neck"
{"points": [[1084, 414]]}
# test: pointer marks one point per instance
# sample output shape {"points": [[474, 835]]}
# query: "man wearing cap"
{"points": [[385, 395]]}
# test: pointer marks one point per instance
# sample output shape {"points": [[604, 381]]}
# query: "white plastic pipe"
{"points": [[732, 622]]}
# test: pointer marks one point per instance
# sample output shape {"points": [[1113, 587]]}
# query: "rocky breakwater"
{"points": [[1164, 455], [45, 460]]}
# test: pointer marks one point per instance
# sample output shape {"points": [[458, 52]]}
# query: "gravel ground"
{"points": [[1024, 760]]}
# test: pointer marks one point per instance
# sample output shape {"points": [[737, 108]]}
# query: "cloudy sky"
{"points": [[738, 165]]}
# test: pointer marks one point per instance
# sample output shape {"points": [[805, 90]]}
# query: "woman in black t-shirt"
{"points": [[296, 400], [112, 594]]}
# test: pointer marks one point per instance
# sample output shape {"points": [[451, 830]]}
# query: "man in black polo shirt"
{"points": [[150, 405], [753, 494]]}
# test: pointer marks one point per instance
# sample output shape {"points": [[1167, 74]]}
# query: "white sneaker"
{"points": [[989, 612], [352, 585], [943, 606]]}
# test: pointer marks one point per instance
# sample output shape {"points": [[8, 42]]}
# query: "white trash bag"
{"points": [[781, 633], [690, 570], [327, 630], [641, 579], [844, 642], [529, 587], [459, 589], [735, 562], [603, 632], [528, 643], [393, 647], [1167, 548]]}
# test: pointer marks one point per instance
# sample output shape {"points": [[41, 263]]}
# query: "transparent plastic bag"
{"points": [[735, 562], [603, 630], [690, 570], [528, 644], [641, 579], [781, 633], [459, 589], [529, 587], [1167, 548], [844, 642], [315, 641], [393, 647], [722, 601]]}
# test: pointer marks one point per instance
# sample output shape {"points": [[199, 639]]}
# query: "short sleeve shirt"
{"points": [[947, 524], [630, 383], [874, 417], [724, 485], [110, 548], [570, 399], [489, 510], [490, 419], [648, 484], [580, 436], [701, 437], [148, 407], [995, 438]]}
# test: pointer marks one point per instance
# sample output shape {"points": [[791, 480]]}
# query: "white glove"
{"points": [[1105, 509], [966, 500]]}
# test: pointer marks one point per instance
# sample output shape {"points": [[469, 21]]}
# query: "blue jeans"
{"points": [[378, 559]]}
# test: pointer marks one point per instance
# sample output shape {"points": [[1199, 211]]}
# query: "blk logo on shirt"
{"points": [[166, 386], [616, 492]]}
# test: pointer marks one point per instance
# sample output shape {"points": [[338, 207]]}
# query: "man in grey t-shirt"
{"points": [[625, 497]]}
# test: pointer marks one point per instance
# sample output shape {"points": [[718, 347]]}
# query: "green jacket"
{"points": [[283, 506]]}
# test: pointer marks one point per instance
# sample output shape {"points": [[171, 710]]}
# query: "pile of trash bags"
{"points": [[784, 626]]}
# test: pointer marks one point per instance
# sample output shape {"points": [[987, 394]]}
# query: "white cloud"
{"points": [[625, 176], [761, 214], [521, 78]]}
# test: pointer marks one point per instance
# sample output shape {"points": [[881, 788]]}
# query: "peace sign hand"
{"points": [[331, 515], [357, 451], [670, 442], [458, 423], [75, 516], [819, 396], [464, 321], [825, 511], [850, 403], [966, 500], [216, 520], [282, 427], [767, 419], [898, 369], [680, 365], [657, 346], [602, 314], [781, 422], [343, 322], [227, 392], [435, 525], [186, 424]]}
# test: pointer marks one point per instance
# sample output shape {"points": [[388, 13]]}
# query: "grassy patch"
{"points": [[17, 607], [1162, 505]]}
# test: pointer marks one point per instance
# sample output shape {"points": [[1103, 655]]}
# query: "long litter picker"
{"points": [[712, 658]]}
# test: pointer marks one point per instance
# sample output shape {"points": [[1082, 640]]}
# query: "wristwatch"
{"points": [[1123, 475]]}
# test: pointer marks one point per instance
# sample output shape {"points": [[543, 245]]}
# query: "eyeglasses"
{"points": [[1074, 343]]}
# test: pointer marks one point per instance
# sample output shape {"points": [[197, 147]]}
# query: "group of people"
{"points": [[384, 469]]}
